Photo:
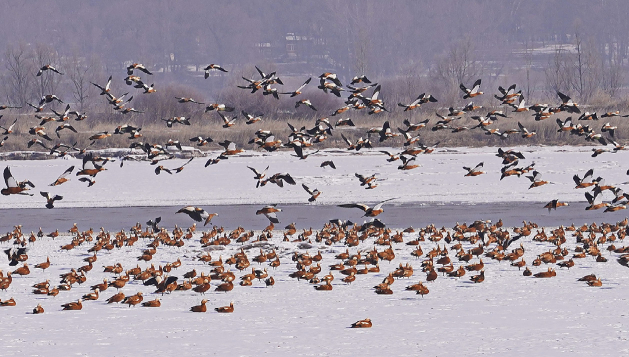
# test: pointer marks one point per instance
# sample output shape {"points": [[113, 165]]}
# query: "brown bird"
{"points": [[473, 92], [475, 171], [152, 303], [324, 287], [92, 296], [297, 91], [50, 200], [536, 179], [99, 136], [228, 286], [45, 265], [133, 299], [269, 212], [198, 214], [73, 305], [10, 302], [139, 67], [90, 168], [38, 309], [116, 298], [24, 270], [200, 308], [13, 186], [211, 67], [314, 194], [478, 278], [62, 178], [366, 323], [554, 204], [369, 211], [225, 309]]}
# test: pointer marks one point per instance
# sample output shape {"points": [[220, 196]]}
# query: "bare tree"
{"points": [[360, 54], [579, 71], [612, 74], [79, 71], [19, 75], [457, 66], [556, 71], [587, 77]]}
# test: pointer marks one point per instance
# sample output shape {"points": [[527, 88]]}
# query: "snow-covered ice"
{"points": [[507, 314], [439, 179]]}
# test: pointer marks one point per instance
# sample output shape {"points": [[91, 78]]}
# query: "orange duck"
{"points": [[366, 323], [200, 308], [73, 305], [38, 309], [225, 309]]}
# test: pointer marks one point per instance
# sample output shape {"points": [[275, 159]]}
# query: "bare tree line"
{"points": [[584, 51]]}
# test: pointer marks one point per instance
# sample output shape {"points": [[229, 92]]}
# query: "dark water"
{"points": [[304, 216]]}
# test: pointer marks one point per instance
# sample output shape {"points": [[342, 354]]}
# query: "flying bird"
{"points": [[314, 194], [475, 171], [47, 68], [139, 67], [62, 178], [297, 91], [328, 163], [473, 92], [8, 130], [50, 200], [259, 175], [198, 214], [270, 213], [211, 67], [554, 204], [369, 211], [90, 168], [13, 186]]}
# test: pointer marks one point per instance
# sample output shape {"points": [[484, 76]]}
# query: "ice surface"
{"points": [[439, 179], [507, 314]]}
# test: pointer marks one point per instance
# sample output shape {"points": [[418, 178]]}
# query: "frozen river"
{"points": [[304, 216]]}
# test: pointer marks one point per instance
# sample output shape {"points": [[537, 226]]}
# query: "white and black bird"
{"points": [[50, 199], [198, 214], [16, 254], [47, 67], [314, 194], [259, 175]]}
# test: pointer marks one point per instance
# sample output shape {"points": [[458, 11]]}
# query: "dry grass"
{"points": [[278, 113]]}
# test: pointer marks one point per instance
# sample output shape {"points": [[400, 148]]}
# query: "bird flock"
{"points": [[463, 242]]}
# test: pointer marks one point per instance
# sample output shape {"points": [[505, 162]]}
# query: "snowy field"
{"points": [[507, 314], [440, 178]]}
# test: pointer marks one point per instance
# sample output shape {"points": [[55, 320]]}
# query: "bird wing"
{"points": [[375, 94], [299, 151], [66, 172], [9, 180], [379, 204], [258, 174], [564, 98], [272, 217], [588, 176], [346, 140], [307, 189], [303, 85], [362, 206], [187, 162], [288, 178]]}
